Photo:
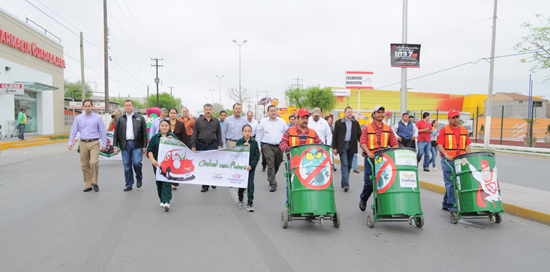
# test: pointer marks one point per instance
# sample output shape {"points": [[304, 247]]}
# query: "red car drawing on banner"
{"points": [[176, 166]]}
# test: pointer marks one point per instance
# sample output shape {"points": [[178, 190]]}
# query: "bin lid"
{"points": [[475, 154], [382, 151]]}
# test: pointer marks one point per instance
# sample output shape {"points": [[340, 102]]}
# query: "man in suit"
{"points": [[131, 134], [346, 135]]}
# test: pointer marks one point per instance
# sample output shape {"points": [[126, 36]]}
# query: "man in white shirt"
{"points": [[321, 126], [269, 134], [155, 125], [252, 122]]}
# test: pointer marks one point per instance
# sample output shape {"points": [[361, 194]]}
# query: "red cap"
{"points": [[484, 164], [303, 112], [453, 113], [388, 112]]}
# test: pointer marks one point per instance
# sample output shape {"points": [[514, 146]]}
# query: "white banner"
{"points": [[341, 92], [220, 167], [11, 88], [359, 80]]}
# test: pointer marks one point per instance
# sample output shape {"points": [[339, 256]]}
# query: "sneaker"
{"points": [[435, 169], [273, 188], [166, 207], [241, 203], [249, 208], [162, 204]]}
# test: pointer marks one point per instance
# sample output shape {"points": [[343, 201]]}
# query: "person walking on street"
{"points": [[405, 130], [253, 159], [163, 188], [189, 123], [91, 129], [453, 140], [177, 128], [433, 139], [114, 116], [223, 115], [375, 136], [252, 122], [328, 118], [413, 142], [347, 132], [387, 117], [207, 135], [424, 143], [233, 126], [21, 124], [291, 121], [269, 135], [131, 135], [155, 125]]}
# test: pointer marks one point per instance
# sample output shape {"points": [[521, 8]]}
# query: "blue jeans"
{"points": [[355, 164], [345, 158], [21, 128], [434, 155], [132, 156], [424, 149], [368, 187], [449, 197]]}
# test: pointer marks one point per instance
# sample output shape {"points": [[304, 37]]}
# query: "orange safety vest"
{"points": [[455, 146], [294, 139], [372, 140]]}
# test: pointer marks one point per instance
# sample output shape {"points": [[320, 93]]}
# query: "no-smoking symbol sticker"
{"points": [[314, 168]]}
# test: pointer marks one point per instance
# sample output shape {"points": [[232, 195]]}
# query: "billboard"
{"points": [[358, 80], [405, 55]]}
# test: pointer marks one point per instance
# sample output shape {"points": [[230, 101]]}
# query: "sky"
{"points": [[315, 41]]}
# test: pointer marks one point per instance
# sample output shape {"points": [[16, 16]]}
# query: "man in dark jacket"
{"points": [[131, 134], [347, 133]]}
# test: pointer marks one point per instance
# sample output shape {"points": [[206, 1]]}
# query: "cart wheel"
{"points": [[284, 219], [336, 220], [411, 221], [492, 218], [498, 218], [419, 221], [454, 218], [370, 221], [320, 220]]}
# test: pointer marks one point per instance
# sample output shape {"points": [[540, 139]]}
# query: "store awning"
{"points": [[37, 87]]}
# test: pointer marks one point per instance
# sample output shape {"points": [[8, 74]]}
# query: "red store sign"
{"points": [[32, 48]]}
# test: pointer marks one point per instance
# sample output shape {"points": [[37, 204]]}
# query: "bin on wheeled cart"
{"points": [[396, 192], [310, 189], [477, 190]]}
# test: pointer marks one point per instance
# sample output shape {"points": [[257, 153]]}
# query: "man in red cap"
{"points": [[453, 140], [299, 134]]}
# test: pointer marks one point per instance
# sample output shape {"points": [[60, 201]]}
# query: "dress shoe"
{"points": [[139, 183], [127, 189], [426, 169], [96, 188], [87, 189], [214, 187], [263, 169], [204, 190], [356, 171], [362, 205], [273, 189], [346, 188], [174, 188]]}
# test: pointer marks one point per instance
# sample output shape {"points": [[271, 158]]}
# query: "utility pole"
{"points": [[106, 55], [256, 104], [171, 89], [487, 139], [404, 70], [157, 80], [239, 45], [82, 66], [147, 96], [297, 82], [220, 88]]}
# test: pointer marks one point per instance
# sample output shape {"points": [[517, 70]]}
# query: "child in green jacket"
{"points": [[246, 140]]}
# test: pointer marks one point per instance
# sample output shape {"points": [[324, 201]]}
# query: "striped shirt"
{"points": [[302, 135]]}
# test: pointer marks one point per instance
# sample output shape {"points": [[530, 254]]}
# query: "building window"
{"points": [[538, 104]]}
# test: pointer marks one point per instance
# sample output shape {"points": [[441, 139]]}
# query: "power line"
{"points": [[145, 36], [132, 28]]}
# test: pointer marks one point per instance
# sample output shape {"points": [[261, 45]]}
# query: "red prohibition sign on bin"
{"points": [[389, 165], [325, 164]]}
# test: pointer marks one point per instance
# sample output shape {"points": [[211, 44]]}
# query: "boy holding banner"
{"points": [[163, 188], [254, 157]]}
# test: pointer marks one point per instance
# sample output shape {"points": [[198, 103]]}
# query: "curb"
{"points": [[23, 145], [508, 208]]}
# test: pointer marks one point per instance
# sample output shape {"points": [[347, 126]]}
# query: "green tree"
{"points": [[537, 43], [77, 85], [322, 98], [296, 96], [137, 104], [217, 114], [166, 100]]}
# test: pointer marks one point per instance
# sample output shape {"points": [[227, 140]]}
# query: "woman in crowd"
{"points": [[433, 138], [177, 128], [114, 116]]}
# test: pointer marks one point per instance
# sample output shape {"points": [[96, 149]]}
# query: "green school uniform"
{"points": [[252, 161], [164, 189]]}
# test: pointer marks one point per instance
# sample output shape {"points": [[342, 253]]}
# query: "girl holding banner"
{"points": [[163, 188], [247, 140]]}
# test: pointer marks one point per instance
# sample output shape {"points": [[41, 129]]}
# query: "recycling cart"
{"points": [[477, 190], [309, 185], [396, 192]]}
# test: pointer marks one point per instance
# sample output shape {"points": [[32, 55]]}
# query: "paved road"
{"points": [[48, 224]]}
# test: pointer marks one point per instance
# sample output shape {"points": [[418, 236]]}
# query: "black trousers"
{"points": [[203, 146]]}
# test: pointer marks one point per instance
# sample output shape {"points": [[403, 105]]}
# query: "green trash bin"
{"points": [[477, 190], [310, 189], [396, 191]]}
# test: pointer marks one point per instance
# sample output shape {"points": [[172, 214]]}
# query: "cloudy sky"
{"points": [[316, 41]]}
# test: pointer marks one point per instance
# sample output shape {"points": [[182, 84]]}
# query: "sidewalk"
{"points": [[517, 200]]}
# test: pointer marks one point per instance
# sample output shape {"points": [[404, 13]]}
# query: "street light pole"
{"points": [[404, 70], [239, 45], [220, 88]]}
